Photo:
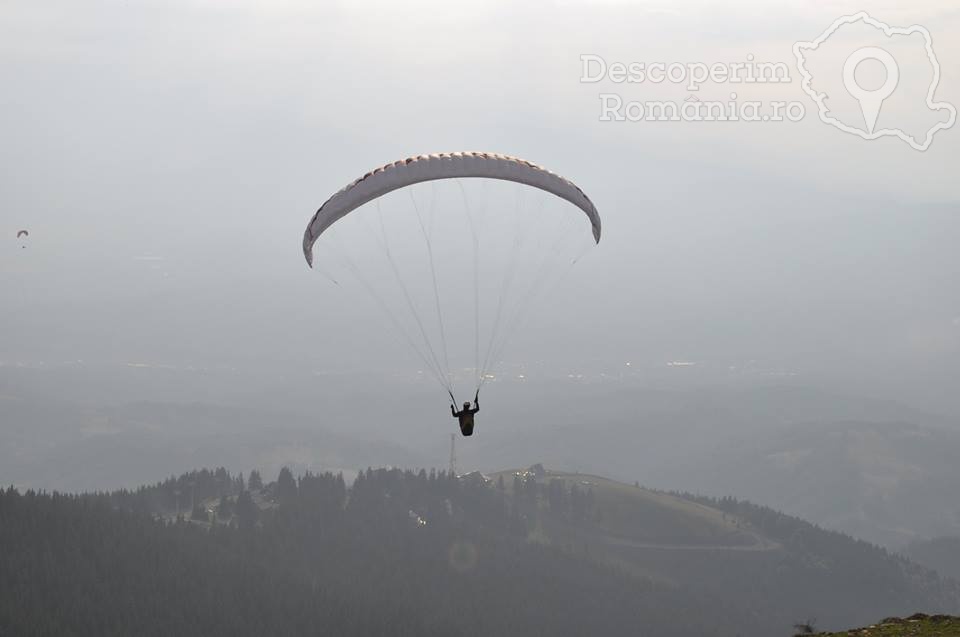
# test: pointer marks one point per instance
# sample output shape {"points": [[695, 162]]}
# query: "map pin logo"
{"points": [[870, 101]]}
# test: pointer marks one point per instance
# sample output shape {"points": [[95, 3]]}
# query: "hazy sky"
{"points": [[166, 157]]}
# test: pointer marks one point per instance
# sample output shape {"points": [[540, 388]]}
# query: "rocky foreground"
{"points": [[918, 625]]}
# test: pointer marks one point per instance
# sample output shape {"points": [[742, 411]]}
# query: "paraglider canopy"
{"points": [[413, 170], [23, 233]]}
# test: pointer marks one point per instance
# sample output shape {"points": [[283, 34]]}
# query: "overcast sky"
{"points": [[166, 157]]}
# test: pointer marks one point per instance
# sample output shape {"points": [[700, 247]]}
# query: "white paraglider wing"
{"points": [[422, 168]]}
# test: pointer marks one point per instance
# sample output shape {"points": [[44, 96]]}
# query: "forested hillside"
{"points": [[401, 553], [418, 553]]}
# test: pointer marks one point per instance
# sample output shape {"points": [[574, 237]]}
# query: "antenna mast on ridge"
{"points": [[453, 454]]}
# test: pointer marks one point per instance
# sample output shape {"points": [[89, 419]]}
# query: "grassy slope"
{"points": [[657, 520], [647, 533]]}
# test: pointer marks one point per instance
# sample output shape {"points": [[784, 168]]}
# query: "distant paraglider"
{"points": [[23, 234]]}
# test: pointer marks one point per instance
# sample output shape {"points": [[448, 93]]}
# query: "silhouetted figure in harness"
{"points": [[465, 415]]}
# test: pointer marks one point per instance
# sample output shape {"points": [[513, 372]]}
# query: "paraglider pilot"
{"points": [[465, 415]]}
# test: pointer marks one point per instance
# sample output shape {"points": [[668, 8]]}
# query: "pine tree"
{"points": [[255, 482]]}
